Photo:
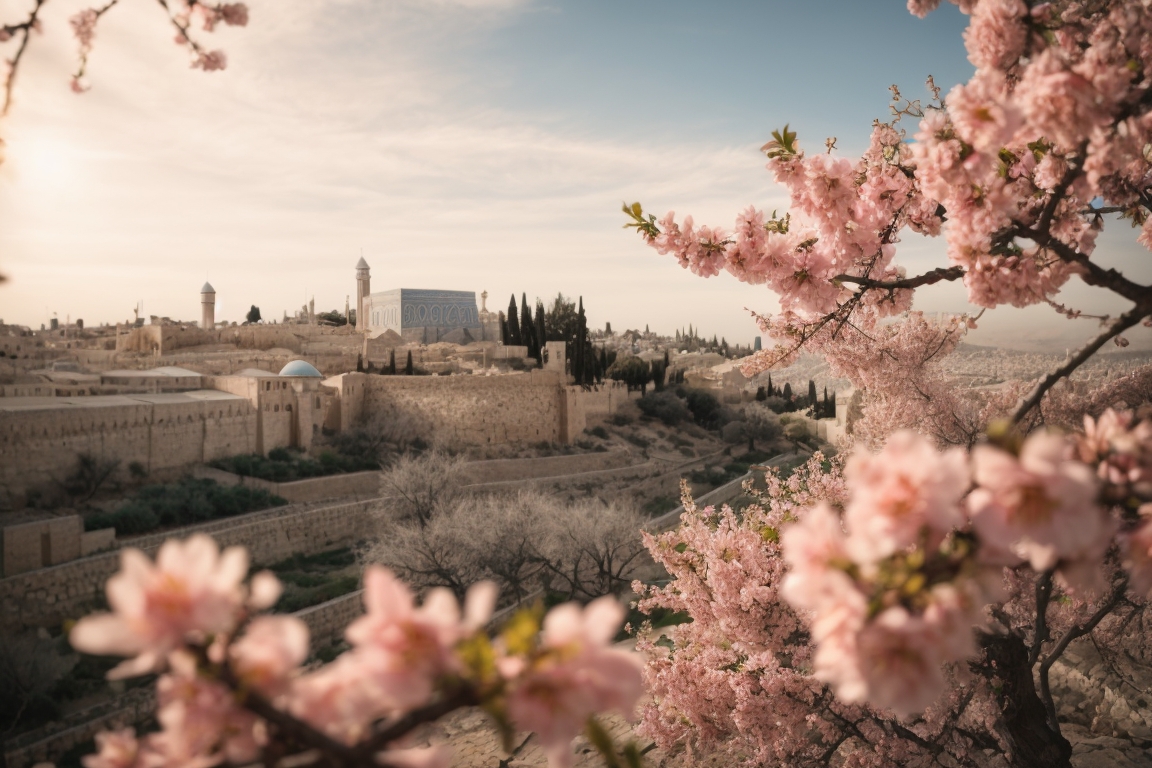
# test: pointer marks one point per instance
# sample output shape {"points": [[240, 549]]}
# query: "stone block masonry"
{"points": [[42, 438], [50, 596], [461, 411]]}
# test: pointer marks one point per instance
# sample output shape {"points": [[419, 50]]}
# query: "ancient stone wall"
{"points": [[50, 596], [463, 410], [343, 486], [41, 445]]}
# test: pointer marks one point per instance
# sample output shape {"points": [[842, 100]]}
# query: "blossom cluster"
{"points": [[1021, 162], [895, 584], [235, 683]]}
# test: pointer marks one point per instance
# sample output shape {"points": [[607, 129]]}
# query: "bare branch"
{"points": [[1119, 325]]}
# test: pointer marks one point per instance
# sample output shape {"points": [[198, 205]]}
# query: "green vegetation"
{"points": [[312, 579], [187, 502], [283, 465]]}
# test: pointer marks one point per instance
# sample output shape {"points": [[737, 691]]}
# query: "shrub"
{"points": [[664, 406], [187, 502], [705, 408], [599, 432]]}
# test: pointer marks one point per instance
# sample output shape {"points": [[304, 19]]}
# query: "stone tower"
{"points": [[362, 291], [207, 307]]}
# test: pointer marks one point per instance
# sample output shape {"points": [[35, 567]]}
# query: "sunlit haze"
{"points": [[458, 144]]}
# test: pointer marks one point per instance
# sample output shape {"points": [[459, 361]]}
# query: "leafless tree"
{"points": [[593, 549], [420, 486], [523, 541]]}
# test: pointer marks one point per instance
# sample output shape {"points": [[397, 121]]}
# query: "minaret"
{"points": [[208, 307], [362, 291]]}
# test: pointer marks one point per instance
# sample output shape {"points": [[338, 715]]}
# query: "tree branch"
{"points": [[1117, 326], [1043, 593], [1079, 630], [928, 278]]}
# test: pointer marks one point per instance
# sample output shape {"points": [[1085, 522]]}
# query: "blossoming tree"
{"points": [[907, 607], [234, 686]]}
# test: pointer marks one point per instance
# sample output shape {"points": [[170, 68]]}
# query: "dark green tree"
{"points": [[787, 393], [408, 369], [253, 315], [528, 327], [359, 363], [515, 338], [541, 331], [761, 394], [563, 321], [634, 372], [504, 331], [391, 362]]}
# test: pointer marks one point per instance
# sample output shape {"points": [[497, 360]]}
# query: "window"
{"points": [[276, 409]]}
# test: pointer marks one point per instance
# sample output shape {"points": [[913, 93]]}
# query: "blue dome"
{"points": [[300, 368]]}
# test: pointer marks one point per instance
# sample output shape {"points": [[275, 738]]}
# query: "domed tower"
{"points": [[362, 291], [208, 307]]}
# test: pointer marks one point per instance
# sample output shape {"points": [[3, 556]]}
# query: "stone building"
{"points": [[290, 406], [423, 316]]}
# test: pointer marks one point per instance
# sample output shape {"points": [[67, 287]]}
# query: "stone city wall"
{"points": [[461, 410], [52, 595], [42, 446]]}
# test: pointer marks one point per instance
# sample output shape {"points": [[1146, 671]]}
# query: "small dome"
{"points": [[302, 369], [207, 288], [361, 264]]}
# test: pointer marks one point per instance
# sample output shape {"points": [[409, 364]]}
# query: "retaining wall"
{"points": [[50, 596], [342, 486]]}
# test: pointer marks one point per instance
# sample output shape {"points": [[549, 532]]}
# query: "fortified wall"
{"points": [[41, 436], [460, 411]]}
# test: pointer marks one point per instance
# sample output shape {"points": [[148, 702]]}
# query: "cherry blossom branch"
{"points": [[1043, 594], [1119, 325], [1074, 632], [928, 278], [24, 29], [464, 696]]}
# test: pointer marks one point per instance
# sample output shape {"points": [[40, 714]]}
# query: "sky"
{"points": [[456, 144]]}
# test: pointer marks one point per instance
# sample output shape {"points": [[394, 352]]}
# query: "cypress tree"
{"points": [[603, 361], [514, 336], [371, 368], [824, 409], [527, 327], [391, 362], [787, 392], [359, 363], [408, 370], [812, 395], [667, 363], [541, 331], [578, 362], [771, 390], [504, 331], [761, 394]]}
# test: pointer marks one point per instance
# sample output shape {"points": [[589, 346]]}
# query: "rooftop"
{"points": [[300, 368], [17, 404]]}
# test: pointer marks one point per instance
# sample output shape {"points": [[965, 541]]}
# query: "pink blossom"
{"points": [[201, 723], [575, 675], [1040, 506], [1121, 449], [271, 649], [210, 61], [898, 664], [981, 112], [338, 699], [192, 591], [900, 494], [234, 14], [402, 648], [815, 549], [114, 749], [1138, 559], [995, 37]]}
